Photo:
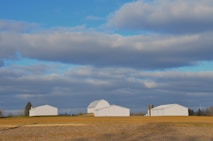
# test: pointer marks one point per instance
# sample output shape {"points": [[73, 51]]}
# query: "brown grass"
{"points": [[106, 128]]}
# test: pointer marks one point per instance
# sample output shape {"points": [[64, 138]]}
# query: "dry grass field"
{"points": [[106, 129]]}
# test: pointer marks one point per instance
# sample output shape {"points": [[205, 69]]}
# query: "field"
{"points": [[106, 129]]}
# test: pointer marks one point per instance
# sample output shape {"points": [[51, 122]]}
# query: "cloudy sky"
{"points": [[129, 52]]}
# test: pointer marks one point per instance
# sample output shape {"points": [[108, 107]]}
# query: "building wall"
{"points": [[175, 110], [112, 110], [157, 112], [45, 110]]}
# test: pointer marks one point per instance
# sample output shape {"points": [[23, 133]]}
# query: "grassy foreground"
{"points": [[106, 128]]}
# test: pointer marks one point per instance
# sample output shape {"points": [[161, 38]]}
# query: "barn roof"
{"points": [[112, 106], [165, 106], [95, 103], [42, 106]]}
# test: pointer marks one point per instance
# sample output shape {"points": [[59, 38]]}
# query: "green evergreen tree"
{"points": [[200, 112], [27, 109], [191, 112]]}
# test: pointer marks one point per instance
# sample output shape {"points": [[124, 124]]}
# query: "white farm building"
{"points": [[168, 110], [102, 108], [44, 110]]}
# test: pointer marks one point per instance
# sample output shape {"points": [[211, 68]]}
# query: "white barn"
{"points": [[102, 108], [168, 110], [44, 110], [97, 104]]}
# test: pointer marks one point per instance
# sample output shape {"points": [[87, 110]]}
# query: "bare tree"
{"points": [[210, 111], [1, 113]]}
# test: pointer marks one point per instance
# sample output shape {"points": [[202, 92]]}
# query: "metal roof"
{"points": [[165, 106], [96, 102]]}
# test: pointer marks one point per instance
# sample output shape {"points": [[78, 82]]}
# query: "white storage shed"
{"points": [[44, 110], [102, 108], [168, 110]]}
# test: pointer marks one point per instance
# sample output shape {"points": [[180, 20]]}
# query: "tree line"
{"points": [[26, 111], [202, 112]]}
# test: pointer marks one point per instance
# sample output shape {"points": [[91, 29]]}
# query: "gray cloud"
{"points": [[76, 87], [109, 50], [173, 16]]}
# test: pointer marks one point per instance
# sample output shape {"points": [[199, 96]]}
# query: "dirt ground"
{"points": [[107, 129]]}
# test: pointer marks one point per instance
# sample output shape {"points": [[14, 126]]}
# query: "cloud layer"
{"points": [[109, 50], [78, 86]]}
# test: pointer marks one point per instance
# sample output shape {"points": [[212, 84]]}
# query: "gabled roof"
{"points": [[111, 107], [166, 106], [96, 102], [42, 106]]}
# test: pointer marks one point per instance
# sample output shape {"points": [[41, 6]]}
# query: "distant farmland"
{"points": [[106, 128]]}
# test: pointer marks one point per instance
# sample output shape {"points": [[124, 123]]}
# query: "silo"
{"points": [[150, 109]]}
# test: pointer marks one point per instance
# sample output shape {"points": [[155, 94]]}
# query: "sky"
{"points": [[130, 52]]}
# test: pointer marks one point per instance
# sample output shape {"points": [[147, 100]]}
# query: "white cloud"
{"points": [[97, 82], [176, 16], [28, 96], [149, 84]]}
